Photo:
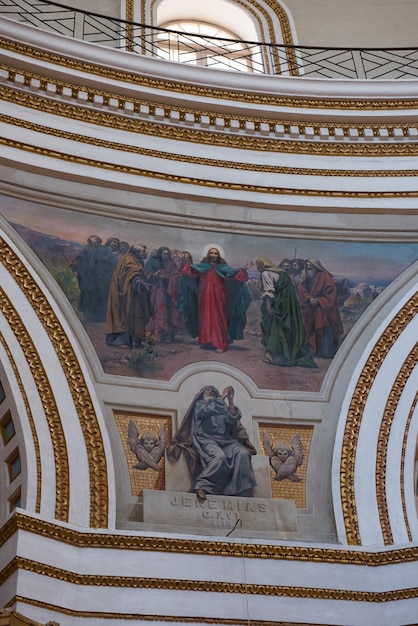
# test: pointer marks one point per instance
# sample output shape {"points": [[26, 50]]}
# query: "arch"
{"points": [[65, 450], [267, 21], [375, 451]]}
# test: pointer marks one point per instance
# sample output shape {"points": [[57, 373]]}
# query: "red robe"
{"points": [[323, 320], [221, 312]]}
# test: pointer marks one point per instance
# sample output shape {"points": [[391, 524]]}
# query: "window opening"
{"points": [[14, 465], [207, 45], [7, 428]]}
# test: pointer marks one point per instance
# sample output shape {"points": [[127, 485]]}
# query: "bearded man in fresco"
{"points": [[129, 308], [222, 300], [284, 336], [321, 315], [216, 445], [94, 268]]}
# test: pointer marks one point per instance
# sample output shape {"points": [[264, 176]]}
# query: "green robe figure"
{"points": [[284, 336]]}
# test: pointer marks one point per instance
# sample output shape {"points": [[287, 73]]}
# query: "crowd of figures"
{"points": [[165, 293]]}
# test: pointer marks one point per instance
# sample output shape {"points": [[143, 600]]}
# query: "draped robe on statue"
{"points": [[216, 447]]}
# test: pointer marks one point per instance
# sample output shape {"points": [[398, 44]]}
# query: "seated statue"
{"points": [[216, 445]]}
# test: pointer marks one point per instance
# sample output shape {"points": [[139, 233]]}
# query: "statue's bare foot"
{"points": [[201, 495], [219, 351]]}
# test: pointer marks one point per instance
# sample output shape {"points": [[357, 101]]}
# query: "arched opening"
{"points": [[207, 45]]}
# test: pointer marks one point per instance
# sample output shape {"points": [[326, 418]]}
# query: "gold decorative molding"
{"points": [[217, 130], [404, 442], [383, 442], [78, 388], [207, 92], [34, 434], [62, 502], [225, 185], [205, 586], [215, 138], [8, 617], [355, 414], [137, 542]]}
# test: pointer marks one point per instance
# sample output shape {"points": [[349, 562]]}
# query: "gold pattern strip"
{"points": [[34, 434], [305, 554], [173, 156], [405, 440], [79, 392], [203, 586], [383, 442], [355, 413], [213, 137], [129, 26], [14, 266], [225, 185], [138, 617], [182, 87]]}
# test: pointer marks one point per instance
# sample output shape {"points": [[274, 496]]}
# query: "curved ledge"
{"points": [[247, 86]]}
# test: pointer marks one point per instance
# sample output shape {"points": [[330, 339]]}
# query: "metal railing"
{"points": [[216, 52]]}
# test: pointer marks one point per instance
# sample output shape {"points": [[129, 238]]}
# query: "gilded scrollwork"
{"points": [[382, 446], [197, 90], [34, 434], [215, 548], [354, 418], [77, 386], [180, 130]]}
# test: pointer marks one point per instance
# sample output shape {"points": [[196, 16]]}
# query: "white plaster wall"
{"points": [[358, 23]]}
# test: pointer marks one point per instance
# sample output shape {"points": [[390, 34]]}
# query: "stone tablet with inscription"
{"points": [[222, 512]]}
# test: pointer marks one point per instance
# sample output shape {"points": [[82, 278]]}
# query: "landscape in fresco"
{"points": [[153, 298]]}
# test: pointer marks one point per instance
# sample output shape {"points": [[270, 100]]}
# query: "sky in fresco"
{"points": [[370, 262]]}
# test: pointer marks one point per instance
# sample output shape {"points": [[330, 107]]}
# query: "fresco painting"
{"points": [[155, 298]]}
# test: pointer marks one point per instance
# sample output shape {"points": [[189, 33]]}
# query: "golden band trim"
{"points": [[179, 87], [355, 414], [405, 439], [383, 442], [212, 136], [113, 122], [14, 266], [245, 588], [216, 184], [78, 388], [78, 539], [34, 434]]}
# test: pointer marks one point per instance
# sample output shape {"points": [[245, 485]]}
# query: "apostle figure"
{"points": [[129, 307], [94, 268], [164, 276], [284, 336], [216, 445], [222, 300], [318, 298]]}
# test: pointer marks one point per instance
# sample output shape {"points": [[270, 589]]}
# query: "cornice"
{"points": [[153, 75], [208, 127], [218, 184], [136, 542], [141, 617], [141, 582]]}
